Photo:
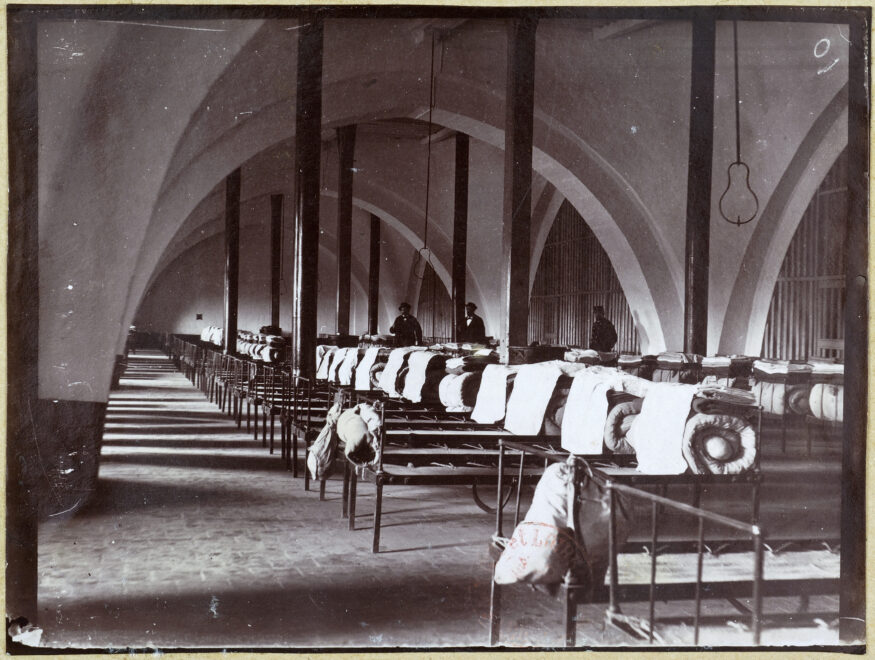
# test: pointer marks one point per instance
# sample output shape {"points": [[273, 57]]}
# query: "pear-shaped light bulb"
{"points": [[738, 203]]}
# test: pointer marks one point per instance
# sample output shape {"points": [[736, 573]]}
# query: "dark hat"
{"points": [[470, 304], [598, 308], [403, 305]]}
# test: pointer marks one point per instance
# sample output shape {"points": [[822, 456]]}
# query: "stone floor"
{"points": [[197, 537]]}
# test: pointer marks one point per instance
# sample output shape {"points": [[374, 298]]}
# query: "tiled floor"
{"points": [[197, 537]]}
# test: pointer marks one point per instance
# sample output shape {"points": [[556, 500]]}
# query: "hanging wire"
{"points": [[743, 205], [737, 121]]}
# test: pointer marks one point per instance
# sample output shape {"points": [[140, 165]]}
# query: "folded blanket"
{"points": [[339, 356], [323, 360], [728, 395], [768, 366], [826, 367], [827, 401], [657, 434], [583, 423], [420, 364], [532, 389], [463, 363], [618, 423], [491, 403], [716, 361], [397, 360], [347, 368], [363, 370]]}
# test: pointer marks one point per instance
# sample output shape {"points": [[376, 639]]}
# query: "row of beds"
{"points": [[447, 416]]}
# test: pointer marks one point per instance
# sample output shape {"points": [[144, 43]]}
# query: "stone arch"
{"points": [[744, 326]]}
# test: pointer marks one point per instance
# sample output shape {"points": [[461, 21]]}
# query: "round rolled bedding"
{"points": [[375, 373], [827, 401], [618, 423], [719, 444], [458, 392], [771, 396], [797, 399]]}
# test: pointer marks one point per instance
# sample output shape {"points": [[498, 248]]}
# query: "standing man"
{"points": [[603, 335], [406, 328], [471, 330]]}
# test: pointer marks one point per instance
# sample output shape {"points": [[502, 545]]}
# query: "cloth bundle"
{"points": [[583, 355], [657, 433], [397, 360], [477, 361], [358, 428], [320, 457], [458, 392], [338, 358], [675, 367], [618, 423], [532, 390]]}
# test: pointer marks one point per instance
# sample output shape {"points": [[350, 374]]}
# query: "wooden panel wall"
{"points": [[806, 315], [575, 274], [435, 308]]}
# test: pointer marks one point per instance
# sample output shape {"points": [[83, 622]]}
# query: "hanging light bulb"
{"points": [[738, 204]]}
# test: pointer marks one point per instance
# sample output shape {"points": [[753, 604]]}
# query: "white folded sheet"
{"points": [[363, 370], [492, 395], [532, 389], [657, 433], [586, 410]]}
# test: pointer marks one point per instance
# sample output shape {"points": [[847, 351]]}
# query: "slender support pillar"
{"points": [[346, 149], [852, 602], [232, 259], [308, 143], [460, 231], [374, 277], [517, 214], [22, 457], [276, 251], [698, 234]]}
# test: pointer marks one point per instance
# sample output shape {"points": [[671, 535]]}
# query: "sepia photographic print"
{"points": [[376, 327]]}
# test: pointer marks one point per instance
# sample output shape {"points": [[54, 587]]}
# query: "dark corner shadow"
{"points": [[115, 496], [196, 461]]}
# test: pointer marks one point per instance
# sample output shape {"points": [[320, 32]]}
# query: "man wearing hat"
{"points": [[406, 328], [471, 330], [603, 335]]}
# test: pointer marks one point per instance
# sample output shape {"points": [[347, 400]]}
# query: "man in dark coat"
{"points": [[603, 335], [471, 330], [406, 328]]}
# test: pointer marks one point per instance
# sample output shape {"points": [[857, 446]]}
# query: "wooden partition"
{"points": [[434, 310], [806, 316], [575, 274]]}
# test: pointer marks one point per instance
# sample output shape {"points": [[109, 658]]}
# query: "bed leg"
{"points": [[353, 481], [345, 512], [271, 431], [322, 490], [570, 613], [378, 507], [248, 413], [306, 453], [263, 427], [494, 610], [294, 452]]}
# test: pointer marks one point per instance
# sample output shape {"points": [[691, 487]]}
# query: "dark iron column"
{"points": [[460, 230], [346, 152], [276, 251], [374, 276], [698, 234], [852, 603], [232, 259], [22, 457], [308, 144], [518, 139]]}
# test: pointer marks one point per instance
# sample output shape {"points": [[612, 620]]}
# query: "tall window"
{"points": [[806, 316], [574, 275], [435, 309]]}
